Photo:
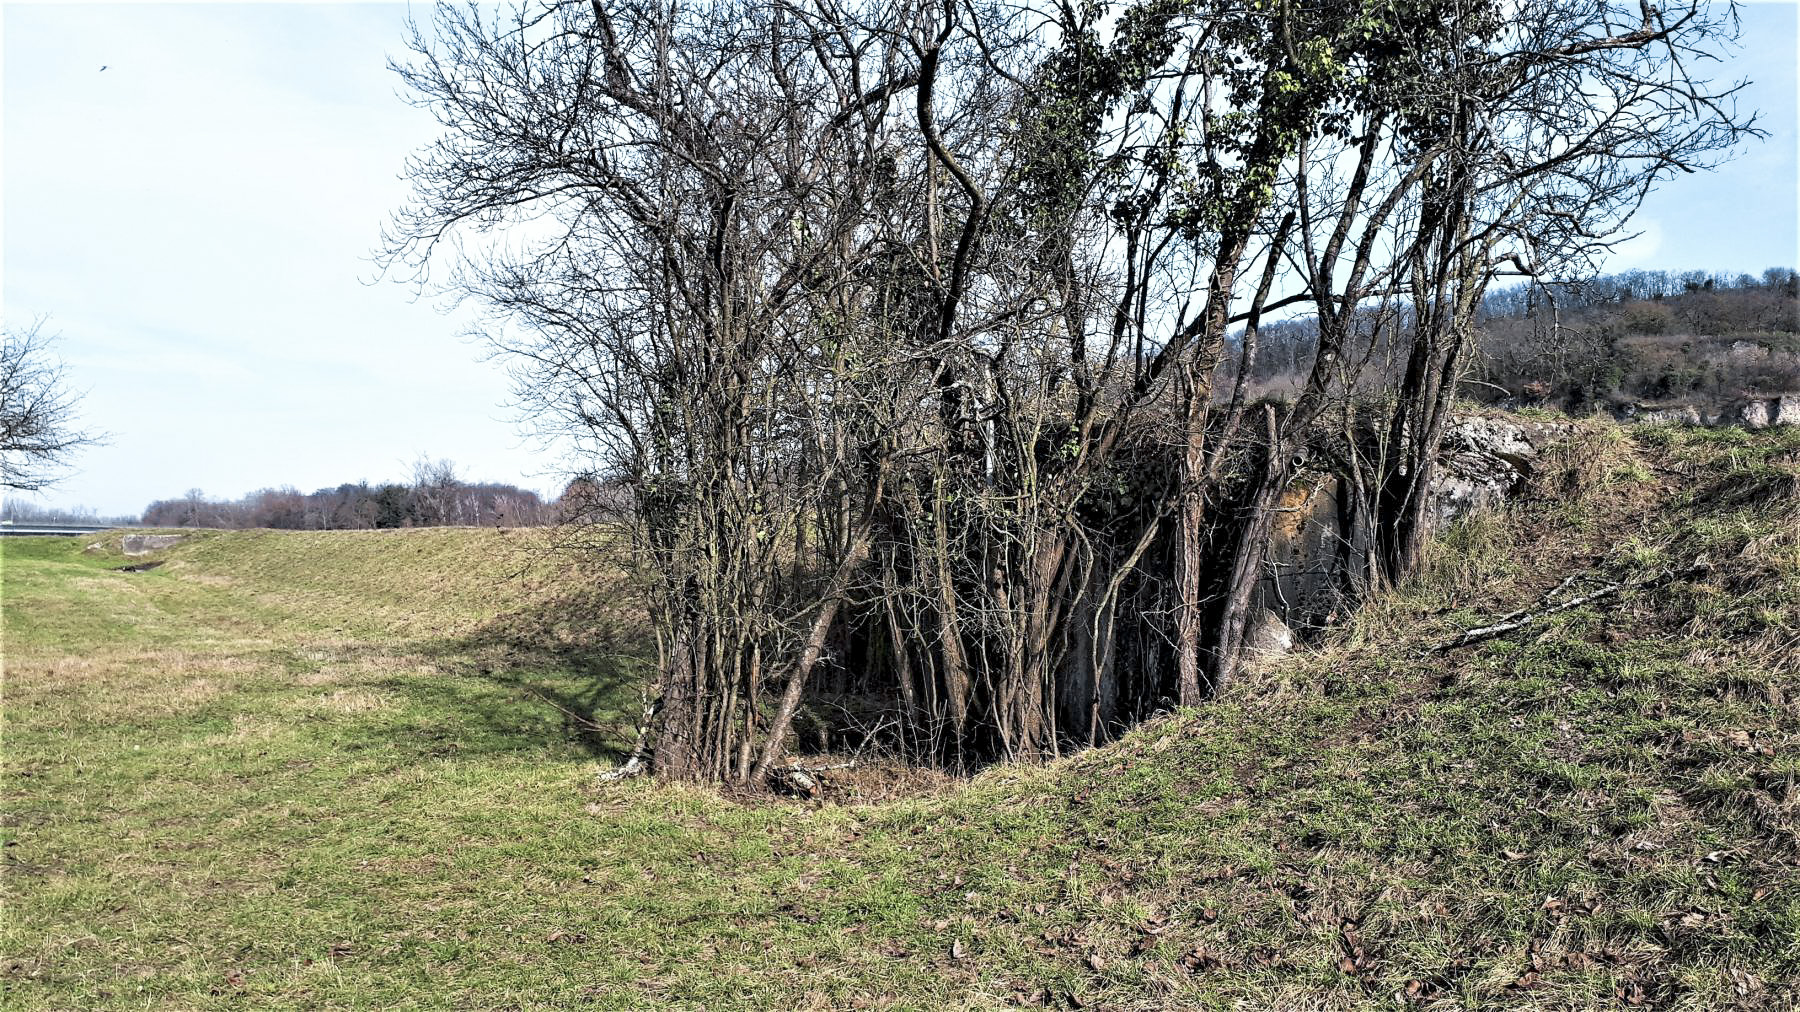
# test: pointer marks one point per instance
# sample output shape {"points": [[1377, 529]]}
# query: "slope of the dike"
{"points": [[358, 771]]}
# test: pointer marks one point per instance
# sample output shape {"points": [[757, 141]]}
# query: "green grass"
{"points": [[358, 771]]}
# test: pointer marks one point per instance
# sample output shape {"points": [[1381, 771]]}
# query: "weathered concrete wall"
{"points": [[144, 544], [1485, 461]]}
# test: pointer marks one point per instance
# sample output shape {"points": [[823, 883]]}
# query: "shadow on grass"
{"points": [[566, 671], [579, 652]]}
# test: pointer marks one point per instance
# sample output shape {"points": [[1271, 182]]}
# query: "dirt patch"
{"points": [[840, 780]]}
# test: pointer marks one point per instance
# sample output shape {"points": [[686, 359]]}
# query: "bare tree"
{"points": [[902, 335], [39, 422], [436, 486]]}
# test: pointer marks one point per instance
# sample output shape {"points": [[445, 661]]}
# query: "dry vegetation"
{"points": [[332, 770]]}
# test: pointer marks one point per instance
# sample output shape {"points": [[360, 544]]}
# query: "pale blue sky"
{"points": [[1746, 216], [196, 221]]}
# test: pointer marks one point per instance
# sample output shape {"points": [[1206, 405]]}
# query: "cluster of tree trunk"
{"points": [[920, 333]]}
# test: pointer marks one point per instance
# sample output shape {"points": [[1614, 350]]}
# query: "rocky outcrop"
{"points": [[1485, 460], [1684, 414], [1762, 412], [1754, 412], [1269, 634]]}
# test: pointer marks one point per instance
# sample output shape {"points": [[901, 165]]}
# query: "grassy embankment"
{"points": [[357, 770]]}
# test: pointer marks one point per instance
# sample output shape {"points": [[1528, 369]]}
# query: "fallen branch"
{"points": [[1524, 617], [804, 781], [635, 764], [846, 765]]}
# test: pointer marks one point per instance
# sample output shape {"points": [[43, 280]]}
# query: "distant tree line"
{"points": [[14, 511], [1521, 301], [435, 497], [1633, 336], [1640, 336]]}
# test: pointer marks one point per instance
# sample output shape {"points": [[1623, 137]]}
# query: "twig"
{"points": [[1485, 383]]}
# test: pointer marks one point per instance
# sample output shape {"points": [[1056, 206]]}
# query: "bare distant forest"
{"points": [[436, 496], [1637, 337]]}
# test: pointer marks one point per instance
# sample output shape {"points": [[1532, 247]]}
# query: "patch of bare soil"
{"points": [[839, 780], [139, 567]]}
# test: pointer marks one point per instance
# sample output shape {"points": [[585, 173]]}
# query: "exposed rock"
{"points": [[1757, 412], [144, 544], [1485, 460], [1685, 414], [1269, 634], [1762, 412], [1752, 414]]}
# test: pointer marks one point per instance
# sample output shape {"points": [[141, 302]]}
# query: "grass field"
{"points": [[357, 770]]}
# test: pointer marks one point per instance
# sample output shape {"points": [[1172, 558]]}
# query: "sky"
{"points": [[196, 221]]}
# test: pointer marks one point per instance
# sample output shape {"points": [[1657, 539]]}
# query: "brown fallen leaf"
{"points": [[1744, 982], [1199, 959]]}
